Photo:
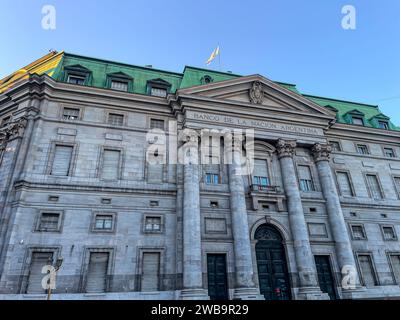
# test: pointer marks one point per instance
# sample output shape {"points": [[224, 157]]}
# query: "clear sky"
{"points": [[295, 41]]}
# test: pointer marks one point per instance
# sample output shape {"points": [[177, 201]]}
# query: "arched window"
{"points": [[206, 79]]}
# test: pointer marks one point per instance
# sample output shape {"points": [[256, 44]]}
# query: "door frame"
{"points": [[332, 266]]}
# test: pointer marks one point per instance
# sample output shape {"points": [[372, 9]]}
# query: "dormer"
{"points": [[381, 121], [355, 117], [119, 81], [77, 74], [158, 87]]}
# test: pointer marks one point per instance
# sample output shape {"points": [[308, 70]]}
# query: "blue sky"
{"points": [[293, 41]]}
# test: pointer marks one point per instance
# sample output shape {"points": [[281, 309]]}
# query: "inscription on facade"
{"points": [[253, 123]]}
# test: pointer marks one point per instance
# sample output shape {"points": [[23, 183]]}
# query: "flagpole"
{"points": [[219, 57]]}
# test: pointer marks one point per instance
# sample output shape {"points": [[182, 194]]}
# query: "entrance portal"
{"points": [[273, 273]]}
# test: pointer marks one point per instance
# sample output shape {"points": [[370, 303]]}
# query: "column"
{"points": [[308, 280], [192, 256], [245, 287], [344, 253]]}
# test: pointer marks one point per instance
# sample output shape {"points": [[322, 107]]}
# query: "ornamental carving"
{"points": [[12, 130], [256, 93], [266, 232], [321, 152], [285, 148]]}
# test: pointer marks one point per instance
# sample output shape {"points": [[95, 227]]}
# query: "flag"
{"points": [[213, 55]]}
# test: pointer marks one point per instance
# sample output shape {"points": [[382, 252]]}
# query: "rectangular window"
{"points": [[150, 271], [367, 270], [358, 232], [49, 221], [70, 114], [153, 224], [156, 124], [211, 178], [38, 261], [374, 186], [62, 160], [344, 184], [397, 184], [306, 182], [119, 85], [388, 233], [335, 145], [395, 260], [103, 222], [158, 92], [358, 121], [389, 152], [115, 119], [260, 174], [74, 79], [383, 125], [111, 161], [362, 149], [97, 272]]}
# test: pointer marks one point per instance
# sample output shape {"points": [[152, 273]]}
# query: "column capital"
{"points": [[321, 152], [285, 148]]}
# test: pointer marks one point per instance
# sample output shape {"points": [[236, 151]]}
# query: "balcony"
{"points": [[264, 188], [262, 193]]}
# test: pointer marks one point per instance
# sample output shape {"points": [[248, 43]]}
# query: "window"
{"points": [[75, 79], [397, 184], [362, 149], [260, 178], [158, 92], [383, 125], [97, 272], [367, 270], [38, 260], [119, 85], [70, 114], [358, 121], [374, 186], [49, 221], [115, 119], [154, 203], [150, 271], [152, 224], [62, 160], [344, 184], [358, 232], [206, 79], [110, 167], [306, 182], [214, 204], [389, 152], [156, 124], [395, 260], [103, 222], [106, 200], [212, 178], [389, 233], [335, 146], [5, 121]]}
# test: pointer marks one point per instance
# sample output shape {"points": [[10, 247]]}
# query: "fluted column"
{"points": [[308, 286], [244, 283], [192, 256], [321, 153]]}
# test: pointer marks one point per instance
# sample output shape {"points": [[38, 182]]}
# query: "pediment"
{"points": [[258, 91]]}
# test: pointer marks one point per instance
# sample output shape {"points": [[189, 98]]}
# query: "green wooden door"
{"points": [[217, 279], [271, 263], [325, 277]]}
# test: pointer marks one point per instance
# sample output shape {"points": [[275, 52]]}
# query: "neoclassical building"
{"points": [[317, 218]]}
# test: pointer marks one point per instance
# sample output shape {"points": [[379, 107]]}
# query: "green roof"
{"points": [[100, 69]]}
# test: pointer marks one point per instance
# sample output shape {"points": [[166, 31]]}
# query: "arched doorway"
{"points": [[273, 276]]}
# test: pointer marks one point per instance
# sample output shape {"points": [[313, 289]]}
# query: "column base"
{"points": [[351, 294], [311, 293], [247, 294], [194, 294]]}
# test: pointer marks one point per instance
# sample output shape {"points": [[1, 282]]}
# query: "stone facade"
{"points": [[193, 218]]}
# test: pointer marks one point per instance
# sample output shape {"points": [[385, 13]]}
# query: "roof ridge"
{"points": [[340, 100]]}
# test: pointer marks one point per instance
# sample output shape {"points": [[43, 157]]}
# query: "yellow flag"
{"points": [[213, 55]]}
